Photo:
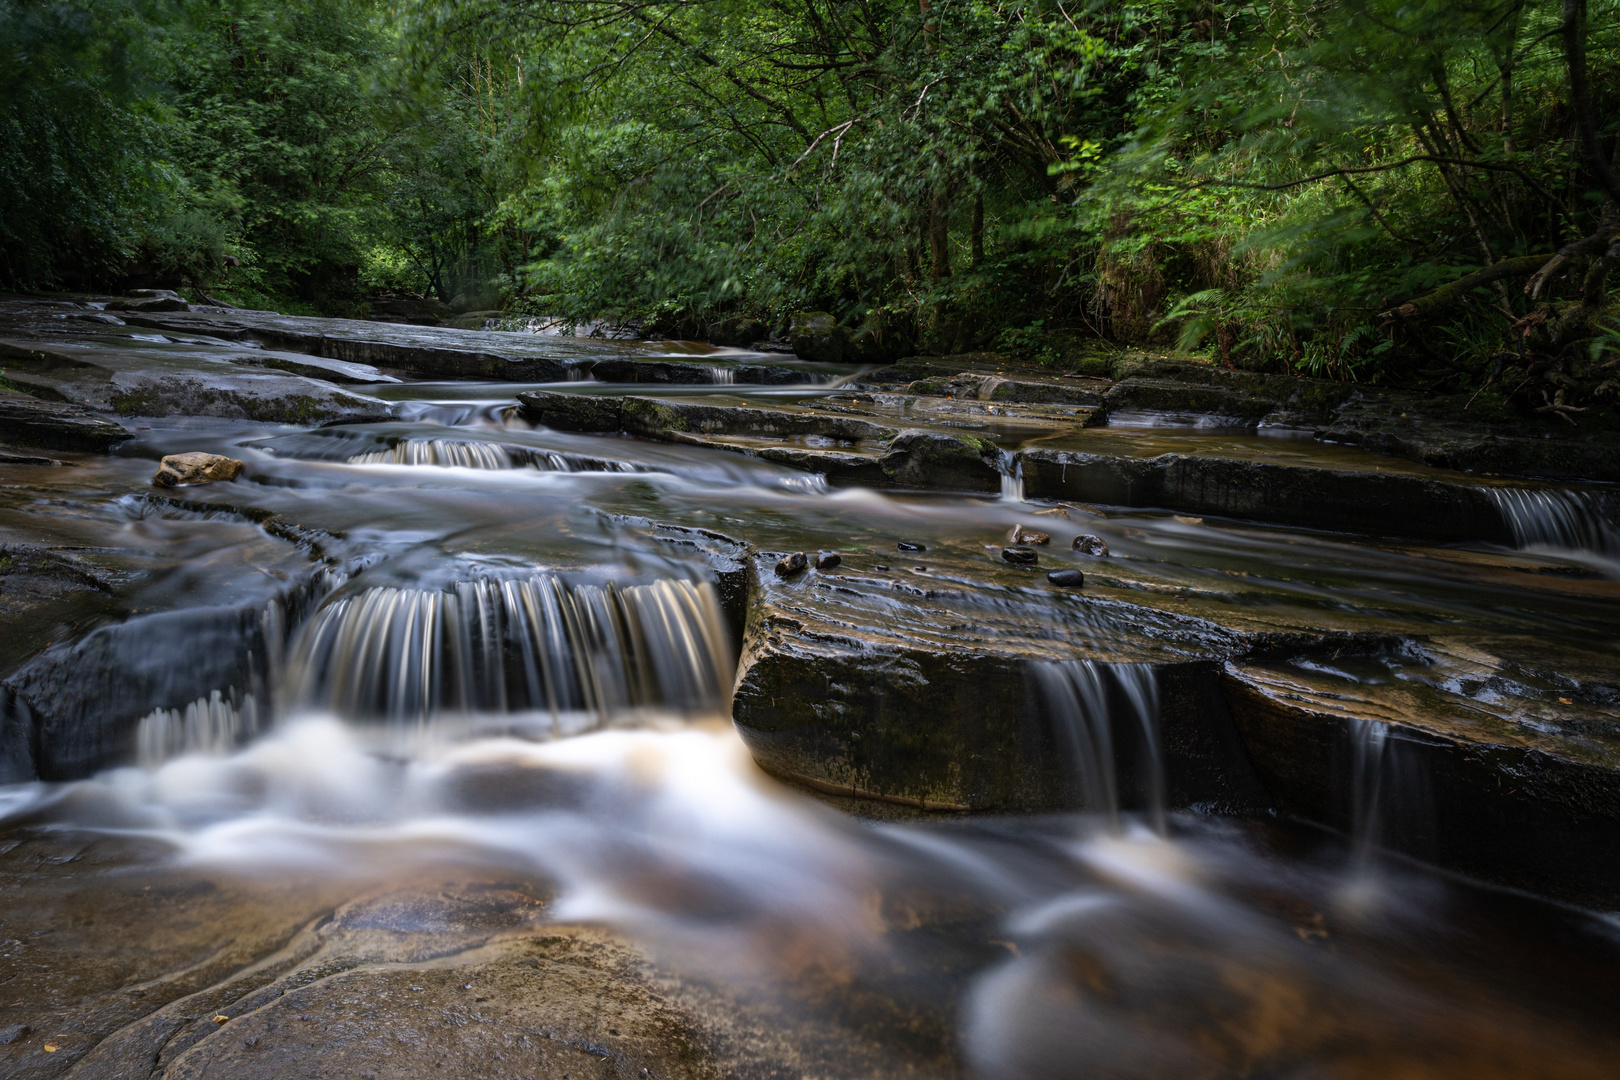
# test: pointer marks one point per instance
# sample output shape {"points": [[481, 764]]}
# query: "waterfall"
{"points": [[722, 376], [1012, 477], [1560, 520], [1368, 740], [212, 725], [1390, 801], [498, 646], [473, 454], [1083, 701]]}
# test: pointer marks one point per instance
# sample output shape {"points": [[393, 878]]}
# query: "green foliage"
{"points": [[1265, 182]]}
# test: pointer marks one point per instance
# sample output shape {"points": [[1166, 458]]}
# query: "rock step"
{"points": [[908, 458], [1458, 785], [52, 425], [1346, 500]]}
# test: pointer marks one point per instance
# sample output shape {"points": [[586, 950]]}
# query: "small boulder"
{"points": [[791, 564], [910, 545], [739, 331], [917, 458], [817, 336], [828, 559], [1088, 544], [1022, 556], [1021, 535], [1069, 579], [177, 470]]}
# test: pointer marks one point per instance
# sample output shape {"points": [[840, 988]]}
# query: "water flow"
{"points": [[1556, 520], [1081, 698], [1369, 740], [581, 654], [1012, 477], [444, 452], [472, 454], [211, 726]]}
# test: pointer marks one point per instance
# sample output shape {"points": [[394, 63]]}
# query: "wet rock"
{"points": [[572, 412], [49, 425], [1461, 783], [149, 300], [417, 351], [1091, 544], [817, 336], [910, 545], [925, 459], [660, 418], [14, 1033], [932, 707], [177, 470], [1351, 500], [792, 564], [827, 560], [1069, 579], [1021, 535], [737, 332], [1021, 556], [697, 373]]}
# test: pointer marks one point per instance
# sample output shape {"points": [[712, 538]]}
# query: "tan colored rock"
{"points": [[177, 470]]}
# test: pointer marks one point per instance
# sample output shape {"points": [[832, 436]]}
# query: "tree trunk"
{"points": [[976, 235], [939, 234]]}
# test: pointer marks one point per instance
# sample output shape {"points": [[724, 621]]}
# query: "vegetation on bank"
{"points": [[1419, 192]]}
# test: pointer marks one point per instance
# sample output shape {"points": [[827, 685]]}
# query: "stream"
{"points": [[434, 770]]}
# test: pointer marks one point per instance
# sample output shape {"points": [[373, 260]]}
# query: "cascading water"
{"points": [[1081, 697], [213, 725], [471, 454], [1389, 792], [1556, 520], [535, 644], [1012, 477]]}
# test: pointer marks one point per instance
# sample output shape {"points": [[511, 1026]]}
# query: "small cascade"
{"points": [[722, 376], [1086, 702], [1368, 740], [1012, 477], [1390, 805], [1557, 520], [443, 452], [214, 725], [473, 454], [515, 645]]}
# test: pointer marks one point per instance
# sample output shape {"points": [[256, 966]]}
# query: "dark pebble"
{"points": [[14, 1032], [910, 545], [791, 564], [828, 559], [1021, 555], [1067, 578], [1091, 545]]}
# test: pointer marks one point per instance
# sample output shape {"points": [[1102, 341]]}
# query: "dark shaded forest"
{"points": [[1421, 193]]}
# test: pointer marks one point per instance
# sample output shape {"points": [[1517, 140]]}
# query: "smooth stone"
{"points": [[828, 559], [910, 545], [1019, 555], [1089, 544], [1067, 578], [1021, 535], [179, 469], [791, 564]]}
